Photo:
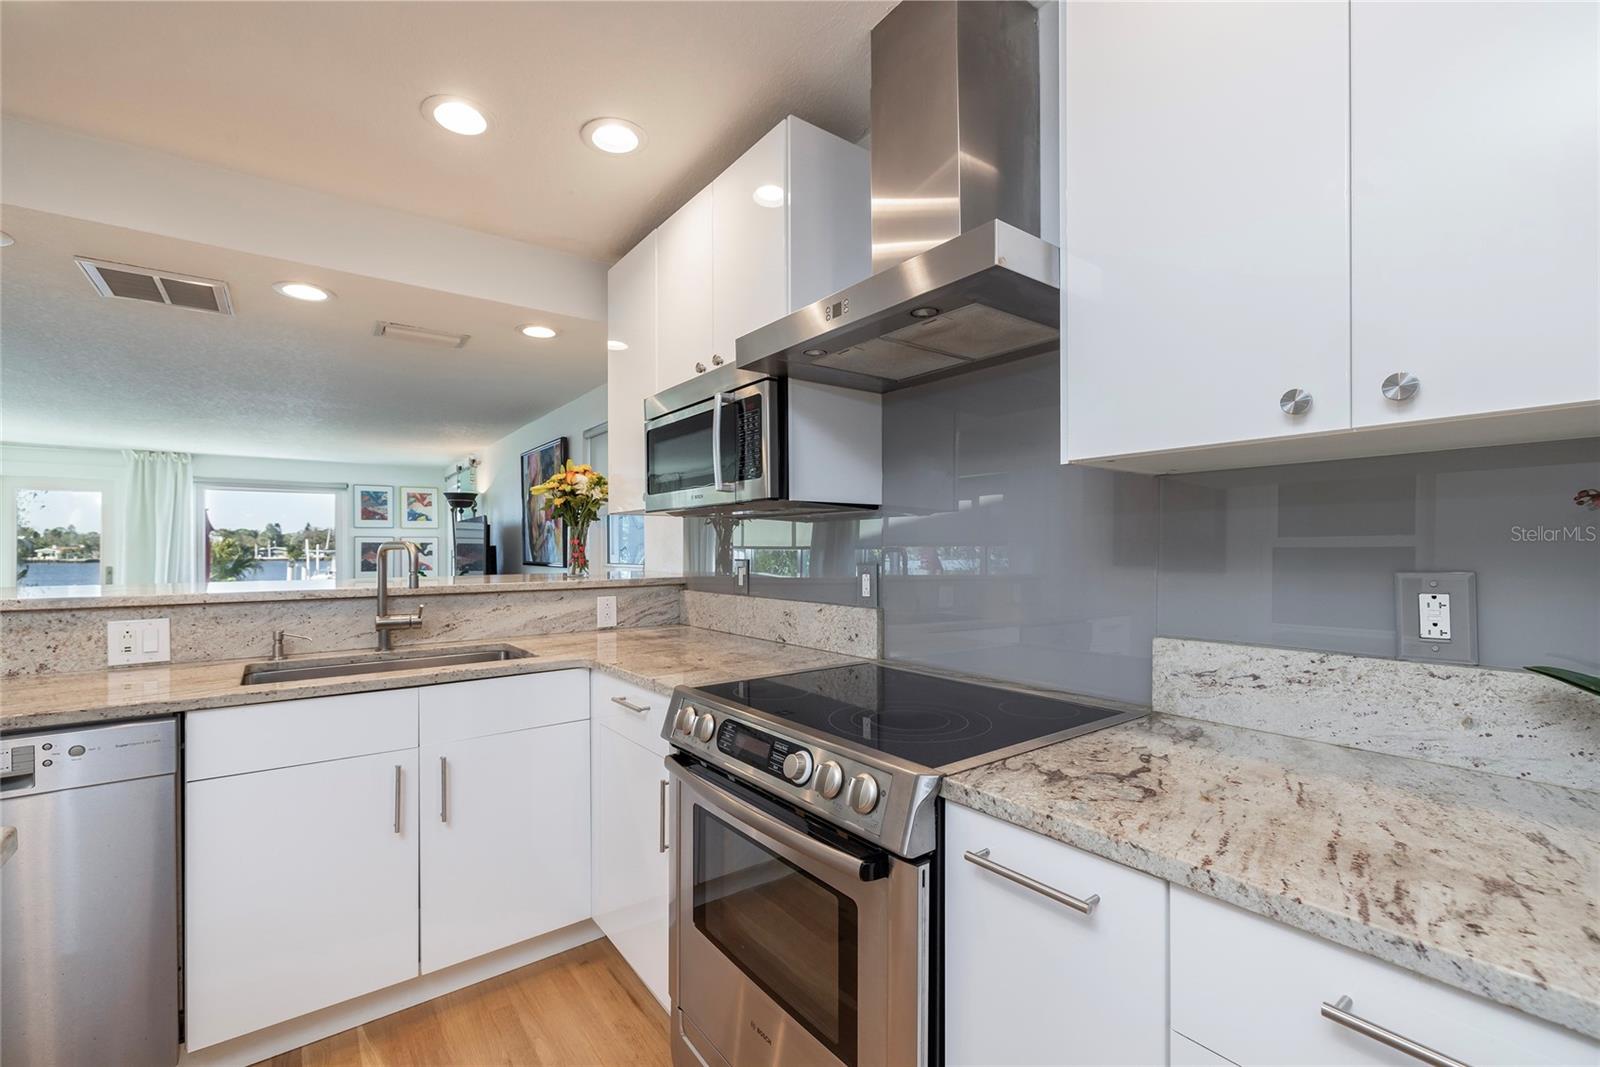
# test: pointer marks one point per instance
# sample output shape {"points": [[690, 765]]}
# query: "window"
{"points": [[59, 535], [623, 534], [270, 535], [775, 548]]}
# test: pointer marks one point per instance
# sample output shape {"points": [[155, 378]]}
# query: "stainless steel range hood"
{"points": [[962, 277]]}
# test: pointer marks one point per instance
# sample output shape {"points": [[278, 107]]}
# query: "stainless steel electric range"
{"points": [[805, 906]]}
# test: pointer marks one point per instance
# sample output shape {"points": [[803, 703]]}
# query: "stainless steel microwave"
{"points": [[730, 441]]}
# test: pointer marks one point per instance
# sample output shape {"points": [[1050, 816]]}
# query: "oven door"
{"points": [[791, 943], [723, 450]]}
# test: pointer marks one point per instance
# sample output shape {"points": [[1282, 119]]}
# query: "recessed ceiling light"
{"points": [[617, 346], [616, 136], [769, 195], [543, 333], [456, 115], [6, 239], [303, 291]]}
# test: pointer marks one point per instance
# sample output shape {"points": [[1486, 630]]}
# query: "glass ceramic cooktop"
{"points": [[923, 718]]}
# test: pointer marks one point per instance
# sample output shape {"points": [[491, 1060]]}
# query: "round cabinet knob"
{"points": [[716, 361], [699, 368], [683, 723], [830, 779], [1295, 402], [704, 727], [1401, 386], [863, 793], [797, 766]]}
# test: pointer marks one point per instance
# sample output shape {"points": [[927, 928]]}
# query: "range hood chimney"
{"points": [[960, 274]]}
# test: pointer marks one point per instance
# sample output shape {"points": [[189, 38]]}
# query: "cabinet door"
{"points": [[684, 292], [631, 870], [505, 846], [300, 890], [751, 262], [1206, 222], [631, 372], [1476, 248], [1031, 981]]}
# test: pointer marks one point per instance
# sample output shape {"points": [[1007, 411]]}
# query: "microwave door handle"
{"points": [[867, 870], [717, 400]]}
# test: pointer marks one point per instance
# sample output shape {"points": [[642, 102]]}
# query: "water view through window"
{"points": [[58, 537], [257, 535]]}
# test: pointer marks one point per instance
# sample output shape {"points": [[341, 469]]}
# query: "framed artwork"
{"points": [[544, 537], [374, 505], [427, 555], [419, 507], [366, 556]]}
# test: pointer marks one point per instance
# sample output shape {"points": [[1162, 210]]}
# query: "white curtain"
{"points": [[160, 543]]}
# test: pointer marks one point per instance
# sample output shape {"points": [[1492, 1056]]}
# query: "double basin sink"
{"points": [[376, 663]]}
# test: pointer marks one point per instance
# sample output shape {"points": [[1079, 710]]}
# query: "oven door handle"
{"points": [[866, 868], [717, 401]]}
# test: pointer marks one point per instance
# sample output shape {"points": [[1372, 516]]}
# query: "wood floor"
{"points": [[583, 1008]]}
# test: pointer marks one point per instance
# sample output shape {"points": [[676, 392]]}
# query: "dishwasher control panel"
{"points": [[65, 759]]}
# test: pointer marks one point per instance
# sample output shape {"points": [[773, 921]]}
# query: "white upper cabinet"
{"points": [[684, 333], [1476, 248], [631, 372], [750, 273], [1207, 245]]}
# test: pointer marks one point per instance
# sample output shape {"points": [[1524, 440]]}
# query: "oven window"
{"points": [[788, 932]]}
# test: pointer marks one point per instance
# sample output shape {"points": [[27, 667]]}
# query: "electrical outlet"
{"points": [[130, 641], [605, 612], [1433, 614], [1436, 616]]}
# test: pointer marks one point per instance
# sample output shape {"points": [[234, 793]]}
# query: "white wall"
{"points": [[106, 468], [500, 488]]}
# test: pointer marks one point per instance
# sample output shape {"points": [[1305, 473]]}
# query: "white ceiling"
{"points": [[280, 378], [327, 95]]}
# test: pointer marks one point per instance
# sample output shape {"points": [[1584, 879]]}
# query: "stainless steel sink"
{"points": [[378, 663]]}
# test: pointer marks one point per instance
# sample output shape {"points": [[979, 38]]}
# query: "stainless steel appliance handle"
{"points": [[717, 400], [1339, 1012], [444, 791], [399, 792], [630, 705], [752, 818], [662, 823], [1086, 905]]}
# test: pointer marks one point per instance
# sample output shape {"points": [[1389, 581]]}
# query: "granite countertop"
{"points": [[657, 658], [1483, 882], [57, 597]]}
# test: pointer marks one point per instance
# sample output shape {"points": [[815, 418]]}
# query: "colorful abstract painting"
{"points": [[374, 505], [419, 507], [544, 537]]}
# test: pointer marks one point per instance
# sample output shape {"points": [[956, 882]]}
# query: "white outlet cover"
{"points": [[1433, 615], [605, 612], [134, 641]]}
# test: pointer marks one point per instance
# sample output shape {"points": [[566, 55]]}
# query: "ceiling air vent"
{"points": [[157, 286], [399, 331]]}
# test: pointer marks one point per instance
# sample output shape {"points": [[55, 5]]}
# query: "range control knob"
{"points": [[863, 795], [704, 727], [684, 722], [797, 766], [830, 779]]}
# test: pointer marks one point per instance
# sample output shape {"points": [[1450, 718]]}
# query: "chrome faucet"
{"points": [[278, 637], [384, 621]]}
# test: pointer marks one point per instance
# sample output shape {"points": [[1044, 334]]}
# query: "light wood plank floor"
{"points": [[583, 1008]]}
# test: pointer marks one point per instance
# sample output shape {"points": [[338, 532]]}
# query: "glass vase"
{"points": [[578, 549]]}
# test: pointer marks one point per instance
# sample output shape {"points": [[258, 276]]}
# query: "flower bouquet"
{"points": [[576, 494]]}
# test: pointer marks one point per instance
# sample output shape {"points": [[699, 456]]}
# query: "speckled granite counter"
{"points": [[1486, 883], [657, 658]]}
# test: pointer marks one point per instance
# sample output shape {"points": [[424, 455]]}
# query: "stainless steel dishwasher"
{"points": [[89, 900]]}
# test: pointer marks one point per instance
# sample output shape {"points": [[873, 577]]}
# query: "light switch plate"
{"points": [[605, 612], [1436, 616], [134, 641]]}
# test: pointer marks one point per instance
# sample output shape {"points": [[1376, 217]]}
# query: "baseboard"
{"points": [[285, 1036]]}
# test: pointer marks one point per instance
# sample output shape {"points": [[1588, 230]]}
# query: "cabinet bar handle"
{"points": [[662, 820], [444, 792], [630, 705], [399, 792], [1339, 1012], [1086, 905]]}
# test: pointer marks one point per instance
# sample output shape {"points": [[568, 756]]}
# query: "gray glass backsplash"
{"points": [[997, 560]]}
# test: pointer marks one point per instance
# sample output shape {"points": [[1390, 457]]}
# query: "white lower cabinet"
{"points": [[1252, 991], [1029, 980], [300, 890], [632, 868]]}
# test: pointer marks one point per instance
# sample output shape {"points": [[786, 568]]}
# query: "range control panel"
{"points": [[749, 745]]}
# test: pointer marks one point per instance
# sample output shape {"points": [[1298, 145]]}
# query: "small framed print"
{"points": [[427, 555], [374, 505], [366, 557], [419, 507]]}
